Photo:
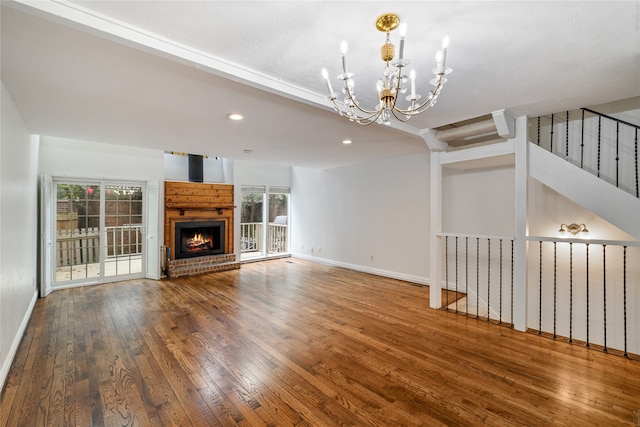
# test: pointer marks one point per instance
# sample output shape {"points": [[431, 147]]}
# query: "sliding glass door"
{"points": [[77, 232], [97, 232], [278, 225], [264, 224], [123, 230], [252, 223]]}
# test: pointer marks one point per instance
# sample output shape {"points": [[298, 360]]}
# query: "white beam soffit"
{"points": [[98, 24]]}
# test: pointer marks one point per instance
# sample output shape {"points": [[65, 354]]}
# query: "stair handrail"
{"points": [[624, 122], [613, 140], [615, 119]]}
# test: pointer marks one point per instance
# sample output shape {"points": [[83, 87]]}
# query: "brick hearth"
{"points": [[202, 265]]}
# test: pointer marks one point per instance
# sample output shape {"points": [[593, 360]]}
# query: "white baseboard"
{"points": [[6, 364], [364, 269]]}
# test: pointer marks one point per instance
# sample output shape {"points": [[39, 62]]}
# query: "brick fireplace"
{"points": [[198, 228]]}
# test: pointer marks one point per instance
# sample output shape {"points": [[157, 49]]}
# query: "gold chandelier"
{"points": [[392, 84]]}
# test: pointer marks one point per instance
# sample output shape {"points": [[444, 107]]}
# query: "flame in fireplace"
{"points": [[199, 242], [198, 238]]}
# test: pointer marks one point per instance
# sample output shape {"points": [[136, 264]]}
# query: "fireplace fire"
{"points": [[199, 238]]}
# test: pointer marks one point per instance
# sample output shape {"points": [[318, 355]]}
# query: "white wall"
{"points": [[479, 201], [61, 157], [548, 209], [371, 217], [253, 173], [18, 228]]}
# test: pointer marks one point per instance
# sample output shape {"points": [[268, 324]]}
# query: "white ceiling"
{"points": [[164, 74]]}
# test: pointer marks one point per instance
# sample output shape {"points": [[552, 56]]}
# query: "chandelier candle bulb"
{"points": [[439, 64], [343, 48], [325, 74], [445, 45], [403, 31]]}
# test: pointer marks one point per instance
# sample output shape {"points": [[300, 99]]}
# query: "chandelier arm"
{"points": [[406, 119], [429, 102], [338, 109], [425, 107], [408, 113], [419, 109], [353, 101], [369, 120], [364, 121]]}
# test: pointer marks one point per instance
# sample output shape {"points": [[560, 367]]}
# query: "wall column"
{"points": [[435, 227], [435, 215], [521, 228]]}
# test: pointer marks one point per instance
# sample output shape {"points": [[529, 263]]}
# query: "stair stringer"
{"points": [[616, 206]]}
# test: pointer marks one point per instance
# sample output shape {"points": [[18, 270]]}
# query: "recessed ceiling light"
{"points": [[234, 116], [347, 141]]}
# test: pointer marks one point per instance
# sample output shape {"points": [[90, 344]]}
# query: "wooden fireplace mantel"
{"points": [[197, 206], [193, 201]]}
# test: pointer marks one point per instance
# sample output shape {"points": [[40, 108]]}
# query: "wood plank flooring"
{"points": [[288, 342]]}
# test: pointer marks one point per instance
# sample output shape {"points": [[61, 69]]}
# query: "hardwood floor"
{"points": [[288, 342]]}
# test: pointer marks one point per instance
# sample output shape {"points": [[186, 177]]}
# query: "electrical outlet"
{"points": [[371, 257]]}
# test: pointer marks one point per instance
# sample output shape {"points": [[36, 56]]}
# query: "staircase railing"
{"points": [[603, 145], [480, 268], [581, 291], [586, 291]]}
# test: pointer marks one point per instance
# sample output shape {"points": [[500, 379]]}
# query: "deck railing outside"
{"points": [[82, 246], [252, 238]]}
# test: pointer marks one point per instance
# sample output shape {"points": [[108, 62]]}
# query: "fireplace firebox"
{"points": [[199, 238]]}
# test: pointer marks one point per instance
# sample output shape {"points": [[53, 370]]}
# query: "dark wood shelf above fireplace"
{"points": [[183, 207]]}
